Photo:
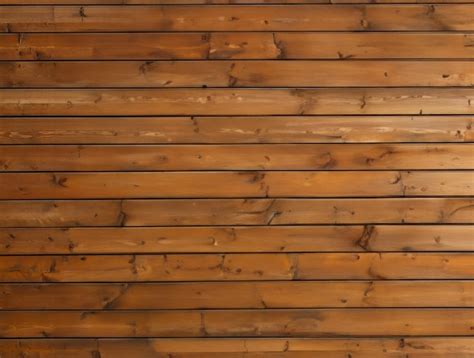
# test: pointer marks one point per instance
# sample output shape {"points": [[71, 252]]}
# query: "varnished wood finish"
{"points": [[347, 238], [236, 178], [235, 45], [165, 130], [180, 212]]}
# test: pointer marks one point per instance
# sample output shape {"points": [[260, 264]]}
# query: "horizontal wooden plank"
{"points": [[237, 239], [237, 267], [173, 101], [221, 295], [160, 74], [238, 18], [249, 45], [179, 212], [305, 129], [229, 323], [237, 157], [219, 2], [249, 184], [452, 347]]}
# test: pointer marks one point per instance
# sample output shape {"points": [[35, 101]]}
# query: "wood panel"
{"points": [[452, 347], [229, 323], [237, 18], [236, 101], [252, 295], [248, 178], [237, 184], [234, 45], [347, 238], [238, 267], [165, 130], [159, 74], [237, 157], [179, 212]]}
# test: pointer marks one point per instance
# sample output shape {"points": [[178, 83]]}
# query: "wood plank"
{"points": [[452, 347], [232, 45], [238, 18], [173, 101], [229, 323], [218, 2], [161, 74], [179, 212], [248, 184], [164, 130], [34, 158], [15, 241], [221, 295], [237, 267]]}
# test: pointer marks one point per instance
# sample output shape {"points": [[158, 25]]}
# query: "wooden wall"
{"points": [[194, 178]]}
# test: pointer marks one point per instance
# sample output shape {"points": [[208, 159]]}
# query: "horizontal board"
{"points": [[249, 184], [238, 18], [218, 2], [249, 45], [208, 295], [160, 74], [166, 130], [179, 212], [173, 101], [237, 157], [419, 347], [237, 267], [229, 323], [237, 239]]}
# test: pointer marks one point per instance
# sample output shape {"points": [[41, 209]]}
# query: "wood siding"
{"points": [[236, 178]]}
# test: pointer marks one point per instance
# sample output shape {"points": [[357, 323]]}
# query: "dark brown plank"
{"points": [[238, 18], [247, 45], [174, 101], [208, 295], [228, 323], [419, 347], [237, 267], [275, 184], [160, 74], [164, 130], [65, 213], [236, 157], [237, 239]]}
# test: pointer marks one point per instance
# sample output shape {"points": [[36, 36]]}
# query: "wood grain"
{"points": [[161, 74], [452, 347], [173, 101], [237, 267], [274, 184], [228, 323], [179, 212], [165, 130], [236, 157], [352, 238], [252, 295], [238, 18], [236, 45]]}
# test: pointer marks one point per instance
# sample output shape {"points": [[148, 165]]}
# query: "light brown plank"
{"points": [[160, 74], [249, 45], [275, 184], [452, 347], [175, 101], [178, 212], [238, 18], [237, 267], [303, 323], [221, 295], [237, 239], [236, 157], [166, 130]]}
